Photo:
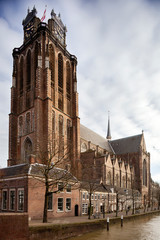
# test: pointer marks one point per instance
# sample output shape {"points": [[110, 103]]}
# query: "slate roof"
{"points": [[126, 145], [15, 170], [35, 169], [96, 139]]}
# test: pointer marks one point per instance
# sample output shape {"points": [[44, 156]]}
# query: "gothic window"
{"points": [[109, 178], [28, 82], [60, 81], [144, 173], [117, 180], [60, 72], [68, 80], [20, 126], [129, 183], [123, 182], [61, 138], [21, 76], [35, 61], [68, 129], [68, 87], [60, 125], [83, 147], [27, 149], [69, 137], [28, 122], [52, 68]]}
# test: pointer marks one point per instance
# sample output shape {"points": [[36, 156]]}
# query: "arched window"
{"points": [[83, 147], [21, 76], [28, 122], [52, 68], [60, 72], [28, 82], [68, 87], [53, 129], [123, 182], [20, 126], [129, 183], [69, 138], [35, 61], [109, 178], [61, 138], [60, 81], [27, 149], [117, 180], [144, 173], [68, 80]]}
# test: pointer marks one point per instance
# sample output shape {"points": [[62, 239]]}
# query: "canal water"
{"points": [[147, 228]]}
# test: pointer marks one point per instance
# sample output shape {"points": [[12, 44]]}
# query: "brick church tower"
{"points": [[44, 98]]}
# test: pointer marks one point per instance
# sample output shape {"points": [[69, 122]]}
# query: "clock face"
{"points": [[28, 30], [59, 33]]}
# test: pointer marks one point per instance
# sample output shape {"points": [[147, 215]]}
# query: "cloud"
{"points": [[117, 44]]}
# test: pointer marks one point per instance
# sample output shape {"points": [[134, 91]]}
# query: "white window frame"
{"points": [[68, 187], [84, 208], [83, 195], [4, 190], [68, 210], [20, 189], [87, 196], [59, 210], [92, 196], [12, 190]]}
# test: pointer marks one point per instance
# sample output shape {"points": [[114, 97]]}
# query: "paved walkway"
{"points": [[79, 219]]}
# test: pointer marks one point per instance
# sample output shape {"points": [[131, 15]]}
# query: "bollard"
{"points": [[121, 220], [107, 223]]}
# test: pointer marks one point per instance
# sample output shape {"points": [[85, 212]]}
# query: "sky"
{"points": [[117, 44]]}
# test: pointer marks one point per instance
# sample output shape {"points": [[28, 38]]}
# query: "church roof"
{"points": [[94, 138], [127, 145]]}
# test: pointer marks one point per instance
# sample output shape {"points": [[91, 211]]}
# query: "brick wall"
{"points": [[14, 226]]}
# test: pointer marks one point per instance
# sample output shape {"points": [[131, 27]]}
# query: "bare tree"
{"points": [[54, 167]]}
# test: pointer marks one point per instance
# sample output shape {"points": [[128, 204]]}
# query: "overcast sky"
{"points": [[117, 44]]}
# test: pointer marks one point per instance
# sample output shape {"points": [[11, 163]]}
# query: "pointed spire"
{"points": [[108, 130]]}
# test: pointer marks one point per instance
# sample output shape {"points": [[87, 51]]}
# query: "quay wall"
{"points": [[64, 231], [14, 226]]}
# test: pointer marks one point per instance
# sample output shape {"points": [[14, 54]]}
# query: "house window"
{"points": [[60, 187], [12, 200], [87, 197], [68, 188], [83, 196], [50, 201], [68, 204], [95, 197], [60, 204], [84, 208], [4, 199], [20, 199], [92, 196], [98, 196]]}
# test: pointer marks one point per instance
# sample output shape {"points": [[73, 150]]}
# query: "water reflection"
{"points": [[139, 229]]}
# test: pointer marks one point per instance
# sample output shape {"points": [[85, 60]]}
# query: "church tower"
{"points": [[44, 98]]}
